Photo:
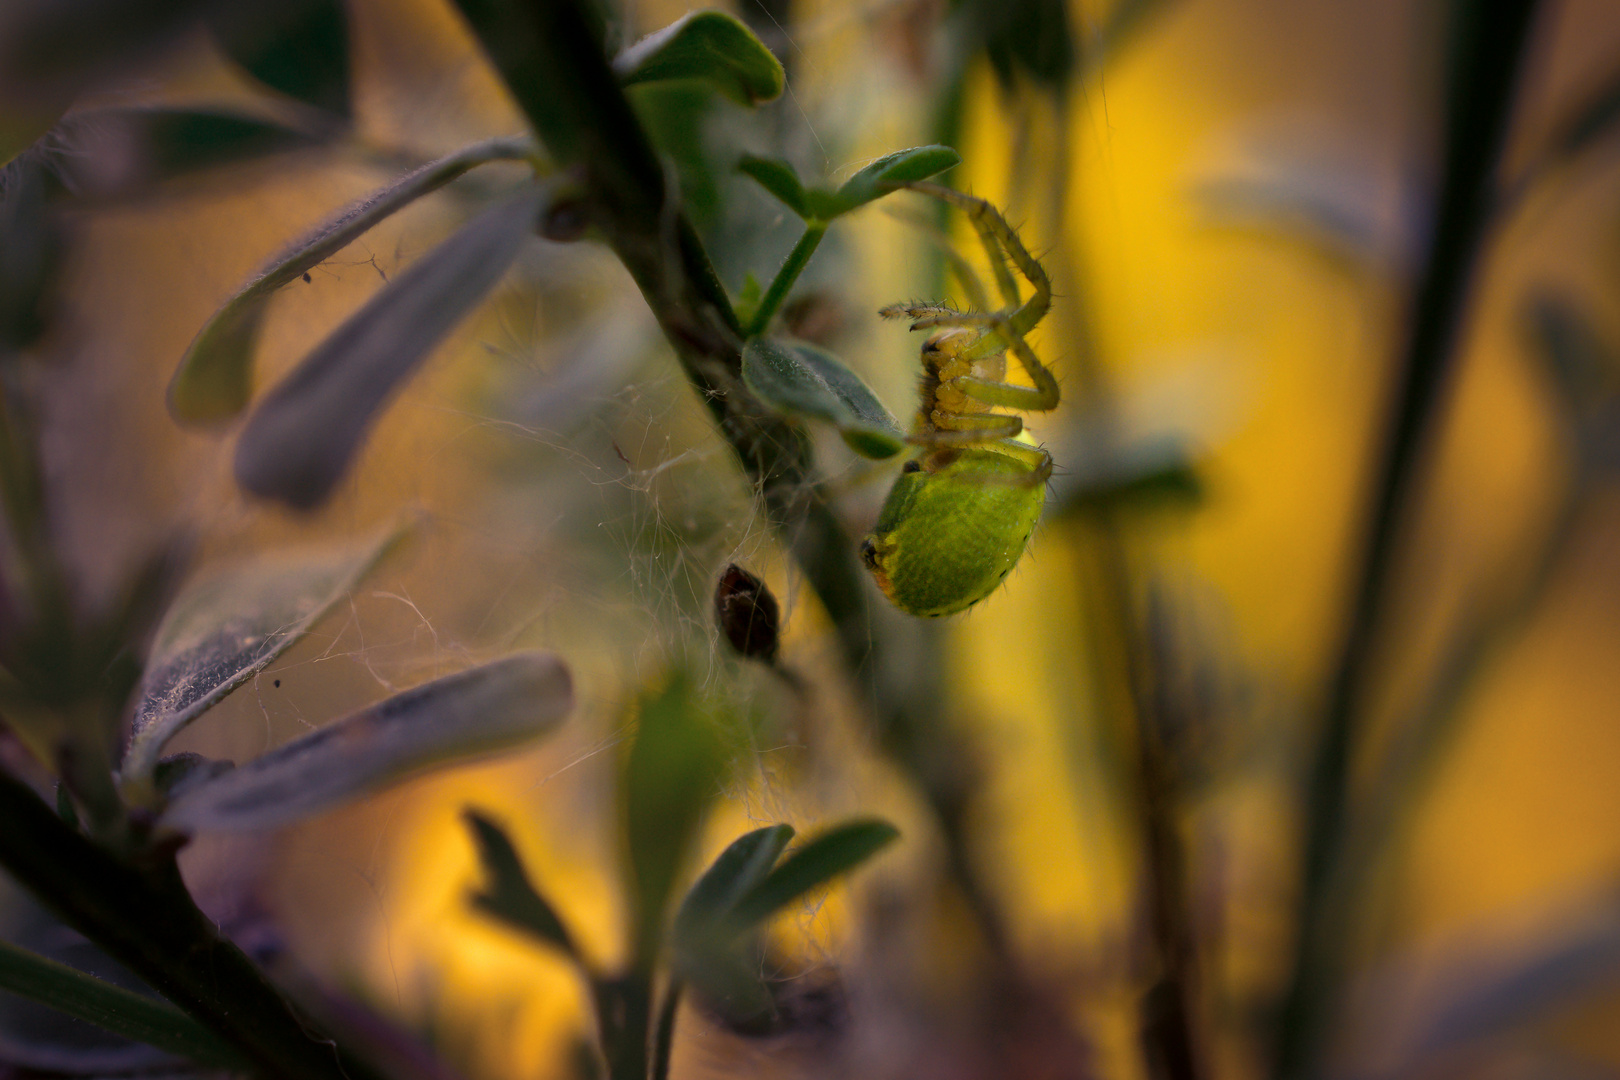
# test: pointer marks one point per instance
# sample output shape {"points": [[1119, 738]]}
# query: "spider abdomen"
{"points": [[946, 538]]}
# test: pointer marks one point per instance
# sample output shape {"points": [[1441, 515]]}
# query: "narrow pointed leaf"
{"points": [[117, 151], [109, 1006], [302, 51], [299, 441], [215, 378], [739, 868], [469, 714], [834, 852], [228, 626], [674, 771], [708, 45], [800, 379], [777, 177], [887, 173], [508, 894]]}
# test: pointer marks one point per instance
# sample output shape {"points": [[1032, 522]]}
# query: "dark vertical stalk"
{"points": [[1487, 46], [147, 921]]}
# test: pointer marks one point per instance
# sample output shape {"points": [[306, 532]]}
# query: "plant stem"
{"points": [[664, 1034], [145, 919], [107, 1005], [792, 267], [1487, 45]]}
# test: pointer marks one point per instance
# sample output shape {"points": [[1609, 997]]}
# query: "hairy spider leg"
{"points": [[1000, 237]]}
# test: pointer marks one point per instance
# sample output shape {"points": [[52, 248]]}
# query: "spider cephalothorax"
{"points": [[961, 513]]}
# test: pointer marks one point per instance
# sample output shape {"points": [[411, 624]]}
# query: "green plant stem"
{"points": [[553, 61], [664, 1034], [624, 1014], [145, 919], [1487, 46], [792, 267], [123, 1012]]}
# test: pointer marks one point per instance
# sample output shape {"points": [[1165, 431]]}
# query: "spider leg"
{"points": [[977, 298], [936, 313], [1000, 237], [957, 429], [1044, 396]]}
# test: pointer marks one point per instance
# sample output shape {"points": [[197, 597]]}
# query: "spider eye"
{"points": [[869, 553], [911, 466]]}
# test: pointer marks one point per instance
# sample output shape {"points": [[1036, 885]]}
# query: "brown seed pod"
{"points": [[747, 614]]}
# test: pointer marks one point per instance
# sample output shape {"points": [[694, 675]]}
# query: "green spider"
{"points": [[961, 513]]}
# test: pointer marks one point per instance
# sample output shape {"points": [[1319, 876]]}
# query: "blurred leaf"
{"points": [[31, 246], [469, 714], [177, 772], [38, 1037], [1023, 38], [1593, 119], [508, 895], [885, 175], [1580, 364], [738, 869], [300, 439], [112, 151], [708, 45], [779, 178], [228, 626], [1150, 473], [215, 377], [673, 772], [1471, 991], [134, 1016], [50, 49], [748, 297], [303, 51], [726, 975], [800, 379], [836, 851]]}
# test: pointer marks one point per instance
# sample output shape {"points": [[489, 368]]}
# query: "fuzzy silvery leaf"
{"points": [[300, 439], [214, 380], [227, 626], [462, 716]]}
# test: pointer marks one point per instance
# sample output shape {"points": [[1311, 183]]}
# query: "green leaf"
{"points": [[508, 895], [708, 45], [303, 51], [800, 379], [673, 772], [469, 714], [779, 178], [215, 378], [227, 626], [738, 869], [300, 439], [134, 1016], [887, 173], [837, 851]]}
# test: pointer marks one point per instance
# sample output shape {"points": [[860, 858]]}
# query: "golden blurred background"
{"points": [[1232, 207]]}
